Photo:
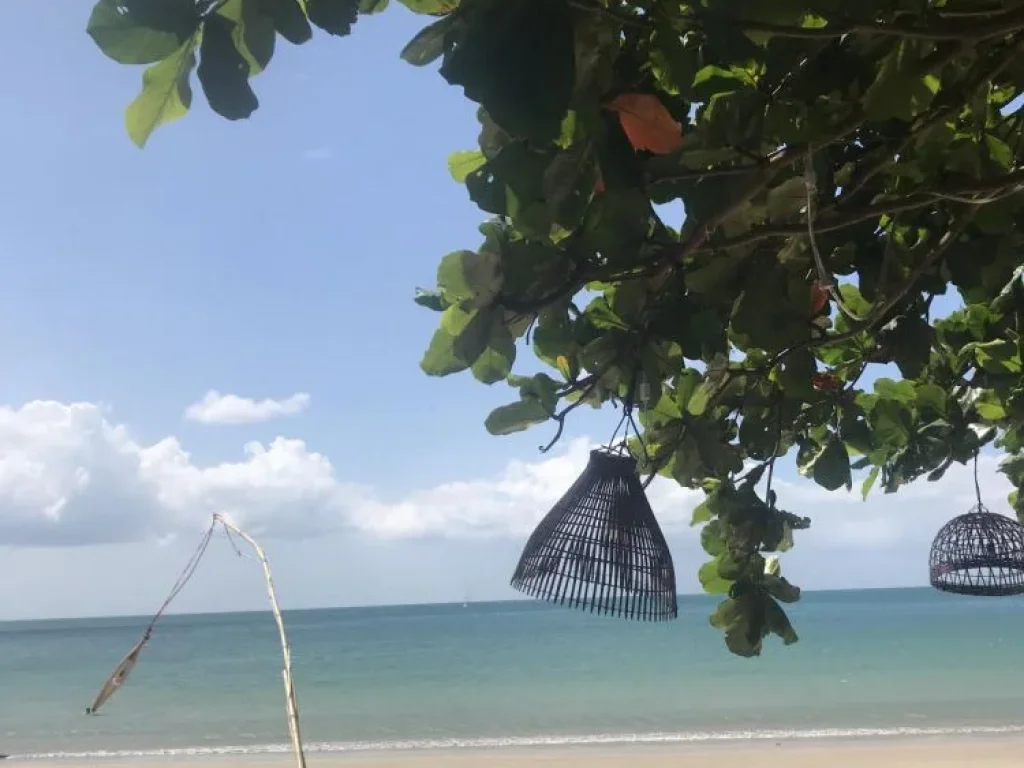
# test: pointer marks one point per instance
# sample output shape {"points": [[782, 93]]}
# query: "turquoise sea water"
{"points": [[869, 663]]}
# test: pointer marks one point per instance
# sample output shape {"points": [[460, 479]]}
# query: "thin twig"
{"points": [[561, 416], [289, 687]]}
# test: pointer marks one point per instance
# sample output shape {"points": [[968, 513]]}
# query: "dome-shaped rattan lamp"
{"points": [[979, 553], [600, 547]]}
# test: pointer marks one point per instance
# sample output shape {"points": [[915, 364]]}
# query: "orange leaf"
{"points": [[648, 125], [819, 296]]}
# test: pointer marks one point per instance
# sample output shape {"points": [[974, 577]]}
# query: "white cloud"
{"points": [[68, 476], [217, 408]]}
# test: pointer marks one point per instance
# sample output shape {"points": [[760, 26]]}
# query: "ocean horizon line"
{"points": [[406, 605]]}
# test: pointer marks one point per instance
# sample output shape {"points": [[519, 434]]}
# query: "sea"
{"points": [[869, 664]]}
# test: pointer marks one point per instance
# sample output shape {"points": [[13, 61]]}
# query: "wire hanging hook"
{"points": [[637, 384]]}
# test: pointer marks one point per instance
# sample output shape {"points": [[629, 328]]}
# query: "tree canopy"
{"points": [[841, 165]]}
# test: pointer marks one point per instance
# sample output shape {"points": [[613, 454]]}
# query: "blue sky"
{"points": [[142, 277], [263, 259]]}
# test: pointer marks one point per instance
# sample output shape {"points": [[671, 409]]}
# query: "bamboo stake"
{"points": [[286, 672]]}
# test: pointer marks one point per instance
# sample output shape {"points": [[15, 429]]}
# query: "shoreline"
{"points": [[995, 750]]}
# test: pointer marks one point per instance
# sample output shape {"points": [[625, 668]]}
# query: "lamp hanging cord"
{"points": [[627, 421], [977, 485], [769, 494]]}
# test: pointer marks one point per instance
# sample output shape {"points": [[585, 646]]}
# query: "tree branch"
{"points": [[996, 26], [852, 217]]}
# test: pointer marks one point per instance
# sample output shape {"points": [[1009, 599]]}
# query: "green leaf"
{"points": [[698, 402], [517, 60], [711, 580], [869, 482], [716, 275], [289, 19], [516, 417], [428, 44], [911, 341], [931, 398], [785, 200], [853, 299], [743, 621], [440, 358], [166, 94], [253, 32], [702, 513], [675, 65], [432, 7], [779, 588], [778, 623], [901, 90], [224, 72], [989, 407], [831, 467], [568, 184], [901, 391], [495, 363], [463, 163], [335, 17], [469, 278], [891, 423], [460, 341], [712, 538], [370, 7], [472, 331], [540, 387], [998, 356], [142, 31], [712, 80]]}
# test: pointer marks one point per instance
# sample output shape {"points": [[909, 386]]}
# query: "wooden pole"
{"points": [[289, 687]]}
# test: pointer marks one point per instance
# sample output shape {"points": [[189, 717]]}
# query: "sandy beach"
{"points": [[989, 752]]}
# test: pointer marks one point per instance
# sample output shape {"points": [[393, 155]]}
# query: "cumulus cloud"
{"points": [[69, 476], [217, 408]]}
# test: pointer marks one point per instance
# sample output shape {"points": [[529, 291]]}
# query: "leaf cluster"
{"points": [[840, 165]]}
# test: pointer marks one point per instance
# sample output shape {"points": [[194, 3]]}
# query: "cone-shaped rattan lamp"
{"points": [[979, 553], [600, 547]]}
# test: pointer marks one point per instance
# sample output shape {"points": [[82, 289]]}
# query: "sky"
{"points": [[224, 322]]}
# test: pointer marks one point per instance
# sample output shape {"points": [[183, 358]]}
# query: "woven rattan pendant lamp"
{"points": [[600, 547], [979, 553]]}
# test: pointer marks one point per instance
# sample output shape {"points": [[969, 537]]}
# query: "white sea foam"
{"points": [[525, 742]]}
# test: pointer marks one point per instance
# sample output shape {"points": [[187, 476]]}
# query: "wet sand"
{"points": [[966, 752]]}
